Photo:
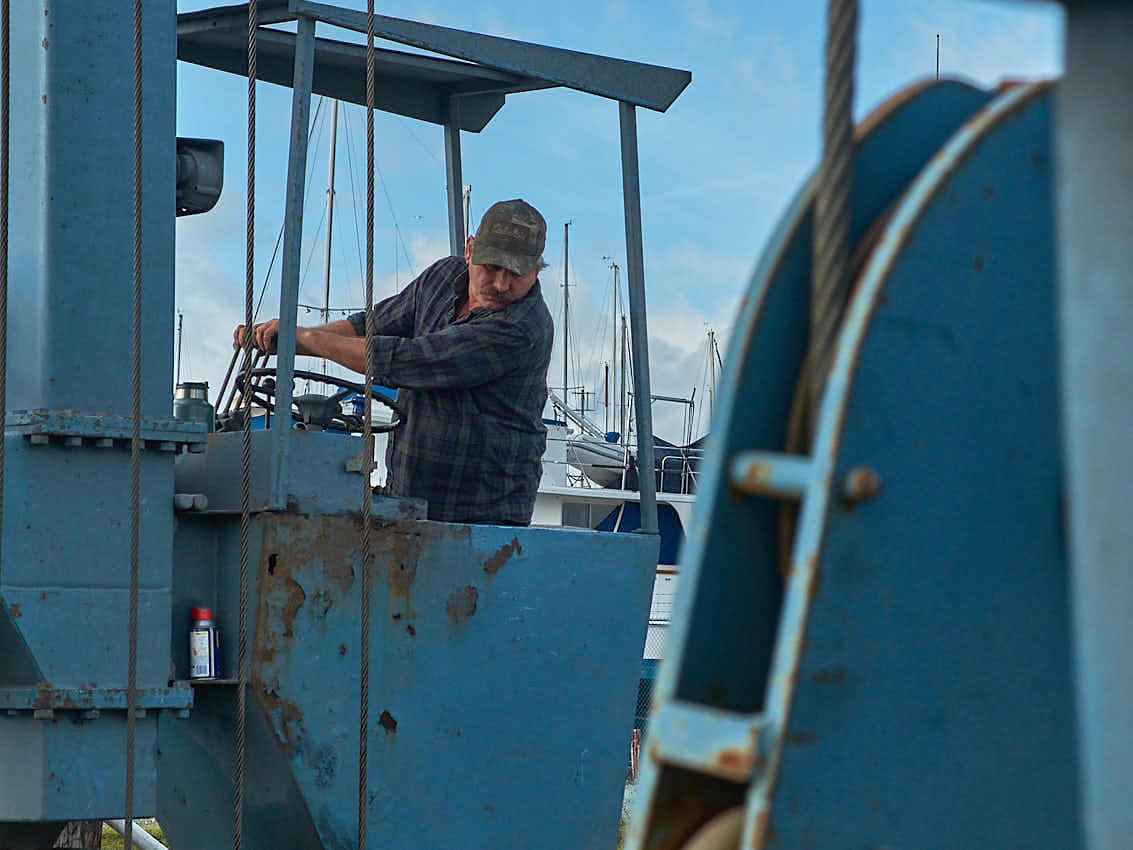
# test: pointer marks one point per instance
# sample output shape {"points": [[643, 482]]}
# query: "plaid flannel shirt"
{"points": [[473, 390]]}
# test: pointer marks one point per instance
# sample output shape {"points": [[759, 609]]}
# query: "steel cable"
{"points": [[830, 283], [246, 446], [367, 445], [5, 17], [135, 437]]}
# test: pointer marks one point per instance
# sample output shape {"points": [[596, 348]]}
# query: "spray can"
{"points": [[204, 645]]}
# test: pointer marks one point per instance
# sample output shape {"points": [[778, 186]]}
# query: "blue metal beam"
{"points": [[454, 177], [635, 279], [292, 245], [1094, 170], [407, 84], [652, 86], [234, 17], [45, 697]]}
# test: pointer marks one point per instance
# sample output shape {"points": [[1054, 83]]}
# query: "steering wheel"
{"points": [[319, 411]]}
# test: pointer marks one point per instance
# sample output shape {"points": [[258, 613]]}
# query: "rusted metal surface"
{"points": [[732, 550], [45, 696], [718, 743], [65, 424], [502, 556], [473, 627], [835, 693], [462, 603], [861, 485], [770, 474]]}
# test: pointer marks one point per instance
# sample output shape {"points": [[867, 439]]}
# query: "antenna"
{"points": [[938, 56]]}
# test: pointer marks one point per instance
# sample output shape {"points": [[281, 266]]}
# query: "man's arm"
{"points": [[394, 316], [264, 334], [343, 348], [466, 355]]}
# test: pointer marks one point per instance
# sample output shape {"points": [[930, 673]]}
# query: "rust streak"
{"points": [[462, 603], [44, 697], [14, 607], [401, 576], [502, 556], [801, 739], [387, 722], [736, 762], [830, 676], [339, 572], [296, 596]]}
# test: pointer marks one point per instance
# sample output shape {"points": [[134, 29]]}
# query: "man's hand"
{"points": [[264, 336]]}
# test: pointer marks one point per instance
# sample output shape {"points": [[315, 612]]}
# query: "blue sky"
{"points": [[717, 170]]}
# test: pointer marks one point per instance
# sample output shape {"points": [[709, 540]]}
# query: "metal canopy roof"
{"points": [[410, 84]]}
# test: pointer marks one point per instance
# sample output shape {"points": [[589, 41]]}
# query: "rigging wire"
{"points": [[314, 244], [367, 445], [416, 138], [353, 196], [393, 215], [135, 436], [246, 433], [244, 366], [5, 84]]}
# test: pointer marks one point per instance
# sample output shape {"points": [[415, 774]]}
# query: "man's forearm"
{"points": [[328, 341], [340, 328]]}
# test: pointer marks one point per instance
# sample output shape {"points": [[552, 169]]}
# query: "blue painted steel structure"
{"points": [[899, 594], [504, 661], [66, 536], [1094, 167], [909, 682]]}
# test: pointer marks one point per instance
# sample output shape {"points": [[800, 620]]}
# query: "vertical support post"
{"points": [[454, 179], [639, 341], [292, 244], [1094, 171]]}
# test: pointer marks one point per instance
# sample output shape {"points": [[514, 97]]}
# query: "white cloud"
{"points": [[709, 23]]}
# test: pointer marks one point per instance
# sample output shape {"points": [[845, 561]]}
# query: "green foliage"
{"points": [[111, 840]]}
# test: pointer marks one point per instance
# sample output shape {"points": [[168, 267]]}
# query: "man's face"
{"points": [[495, 286]]}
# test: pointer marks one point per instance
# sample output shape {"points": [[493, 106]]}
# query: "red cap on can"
{"points": [[201, 613]]}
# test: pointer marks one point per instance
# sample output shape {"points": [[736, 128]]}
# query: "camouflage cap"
{"points": [[511, 235]]}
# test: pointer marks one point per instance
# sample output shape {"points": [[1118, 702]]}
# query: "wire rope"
{"points": [[135, 434], [367, 445], [5, 84], [246, 442], [830, 284]]}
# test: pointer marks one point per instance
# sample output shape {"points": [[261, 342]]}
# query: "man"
{"points": [[468, 343]]}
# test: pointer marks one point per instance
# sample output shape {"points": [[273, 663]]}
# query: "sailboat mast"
{"points": [[180, 324], [622, 386], [614, 319], [330, 213], [467, 211], [711, 371], [566, 306]]}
